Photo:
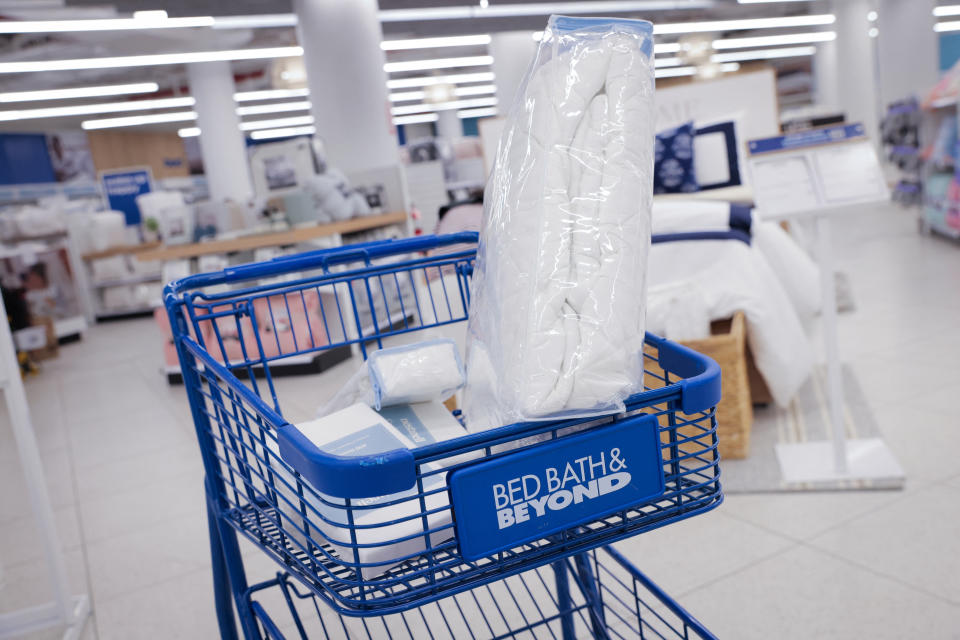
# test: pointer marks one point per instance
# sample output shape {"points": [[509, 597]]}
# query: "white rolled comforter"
{"points": [[556, 322]]}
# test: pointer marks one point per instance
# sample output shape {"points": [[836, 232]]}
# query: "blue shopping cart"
{"points": [[453, 559]]}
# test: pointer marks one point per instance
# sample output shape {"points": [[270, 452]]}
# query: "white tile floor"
{"points": [[125, 478]]}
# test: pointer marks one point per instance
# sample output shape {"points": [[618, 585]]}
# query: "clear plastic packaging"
{"points": [[420, 372], [557, 315]]}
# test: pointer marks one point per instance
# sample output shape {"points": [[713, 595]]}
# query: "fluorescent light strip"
{"points": [[91, 109], [264, 20], [276, 122], [667, 62], [941, 27], [773, 41], [417, 119], [149, 60], [597, 7], [443, 106], [750, 23], [477, 113], [764, 54], [285, 132], [432, 43], [103, 24], [132, 121], [426, 81], [270, 94], [438, 63], [258, 109], [480, 90], [79, 92], [768, 1], [675, 72], [189, 132], [948, 10]]}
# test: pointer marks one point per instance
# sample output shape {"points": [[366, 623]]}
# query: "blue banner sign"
{"points": [[811, 138], [521, 497], [121, 187]]}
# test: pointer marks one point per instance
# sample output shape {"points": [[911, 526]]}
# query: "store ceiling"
{"points": [[172, 78]]}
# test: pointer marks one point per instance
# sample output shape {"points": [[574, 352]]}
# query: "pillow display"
{"points": [[674, 166], [716, 156]]}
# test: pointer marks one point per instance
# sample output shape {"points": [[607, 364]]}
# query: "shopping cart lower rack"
{"points": [[503, 505]]}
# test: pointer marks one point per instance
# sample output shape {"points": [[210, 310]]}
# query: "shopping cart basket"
{"points": [[655, 464]]}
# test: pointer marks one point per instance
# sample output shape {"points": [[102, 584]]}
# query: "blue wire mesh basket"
{"points": [[598, 594], [310, 510]]}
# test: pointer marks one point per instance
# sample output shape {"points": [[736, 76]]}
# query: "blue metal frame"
{"points": [[267, 482]]}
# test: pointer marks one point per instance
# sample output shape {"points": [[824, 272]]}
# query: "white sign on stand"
{"points": [[815, 175]]}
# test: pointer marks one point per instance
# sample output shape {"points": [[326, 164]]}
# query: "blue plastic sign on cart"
{"points": [[521, 497], [122, 186]]}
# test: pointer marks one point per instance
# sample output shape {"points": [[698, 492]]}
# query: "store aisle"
{"points": [[125, 477]]}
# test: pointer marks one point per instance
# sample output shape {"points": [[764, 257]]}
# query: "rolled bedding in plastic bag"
{"points": [[556, 321]]}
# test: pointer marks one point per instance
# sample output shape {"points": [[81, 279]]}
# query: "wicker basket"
{"points": [[727, 345]]}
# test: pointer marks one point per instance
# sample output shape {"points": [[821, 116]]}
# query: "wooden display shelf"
{"points": [[271, 239], [125, 249]]}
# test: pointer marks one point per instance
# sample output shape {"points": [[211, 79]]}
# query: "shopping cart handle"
{"points": [[700, 386], [347, 477]]}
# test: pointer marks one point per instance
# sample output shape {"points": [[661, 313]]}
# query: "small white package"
{"points": [[418, 372], [359, 430]]}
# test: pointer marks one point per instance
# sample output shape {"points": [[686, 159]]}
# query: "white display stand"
{"points": [[66, 610], [816, 175]]}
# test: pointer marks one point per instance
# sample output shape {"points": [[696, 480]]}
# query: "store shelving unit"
{"points": [[96, 287]]}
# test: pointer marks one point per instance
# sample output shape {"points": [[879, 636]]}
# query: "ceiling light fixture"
{"points": [[132, 121], [283, 132], [189, 132], [426, 81], [270, 94], [255, 21], [768, 1], [432, 43], [942, 27], [417, 119], [148, 60], [764, 54], [443, 106], [258, 109], [675, 72], [480, 90], [773, 41], [477, 113], [667, 62], [438, 63], [276, 122], [947, 10], [151, 21], [80, 92], [91, 109], [749, 23], [597, 7]]}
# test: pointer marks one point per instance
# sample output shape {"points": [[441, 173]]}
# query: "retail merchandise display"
{"points": [[556, 318]]}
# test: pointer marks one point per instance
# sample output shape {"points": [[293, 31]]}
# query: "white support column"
{"points": [[221, 141], [857, 88], [907, 47], [348, 91], [449, 125], [512, 52]]}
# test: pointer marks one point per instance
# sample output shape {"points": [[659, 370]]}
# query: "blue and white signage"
{"points": [[121, 188], [806, 139], [501, 503]]}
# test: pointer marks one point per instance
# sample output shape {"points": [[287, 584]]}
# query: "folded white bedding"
{"points": [[795, 270], [734, 276], [555, 325]]}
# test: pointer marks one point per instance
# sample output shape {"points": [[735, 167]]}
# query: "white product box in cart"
{"points": [[358, 430]]}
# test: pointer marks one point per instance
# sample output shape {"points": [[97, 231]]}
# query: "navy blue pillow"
{"points": [[673, 161]]}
